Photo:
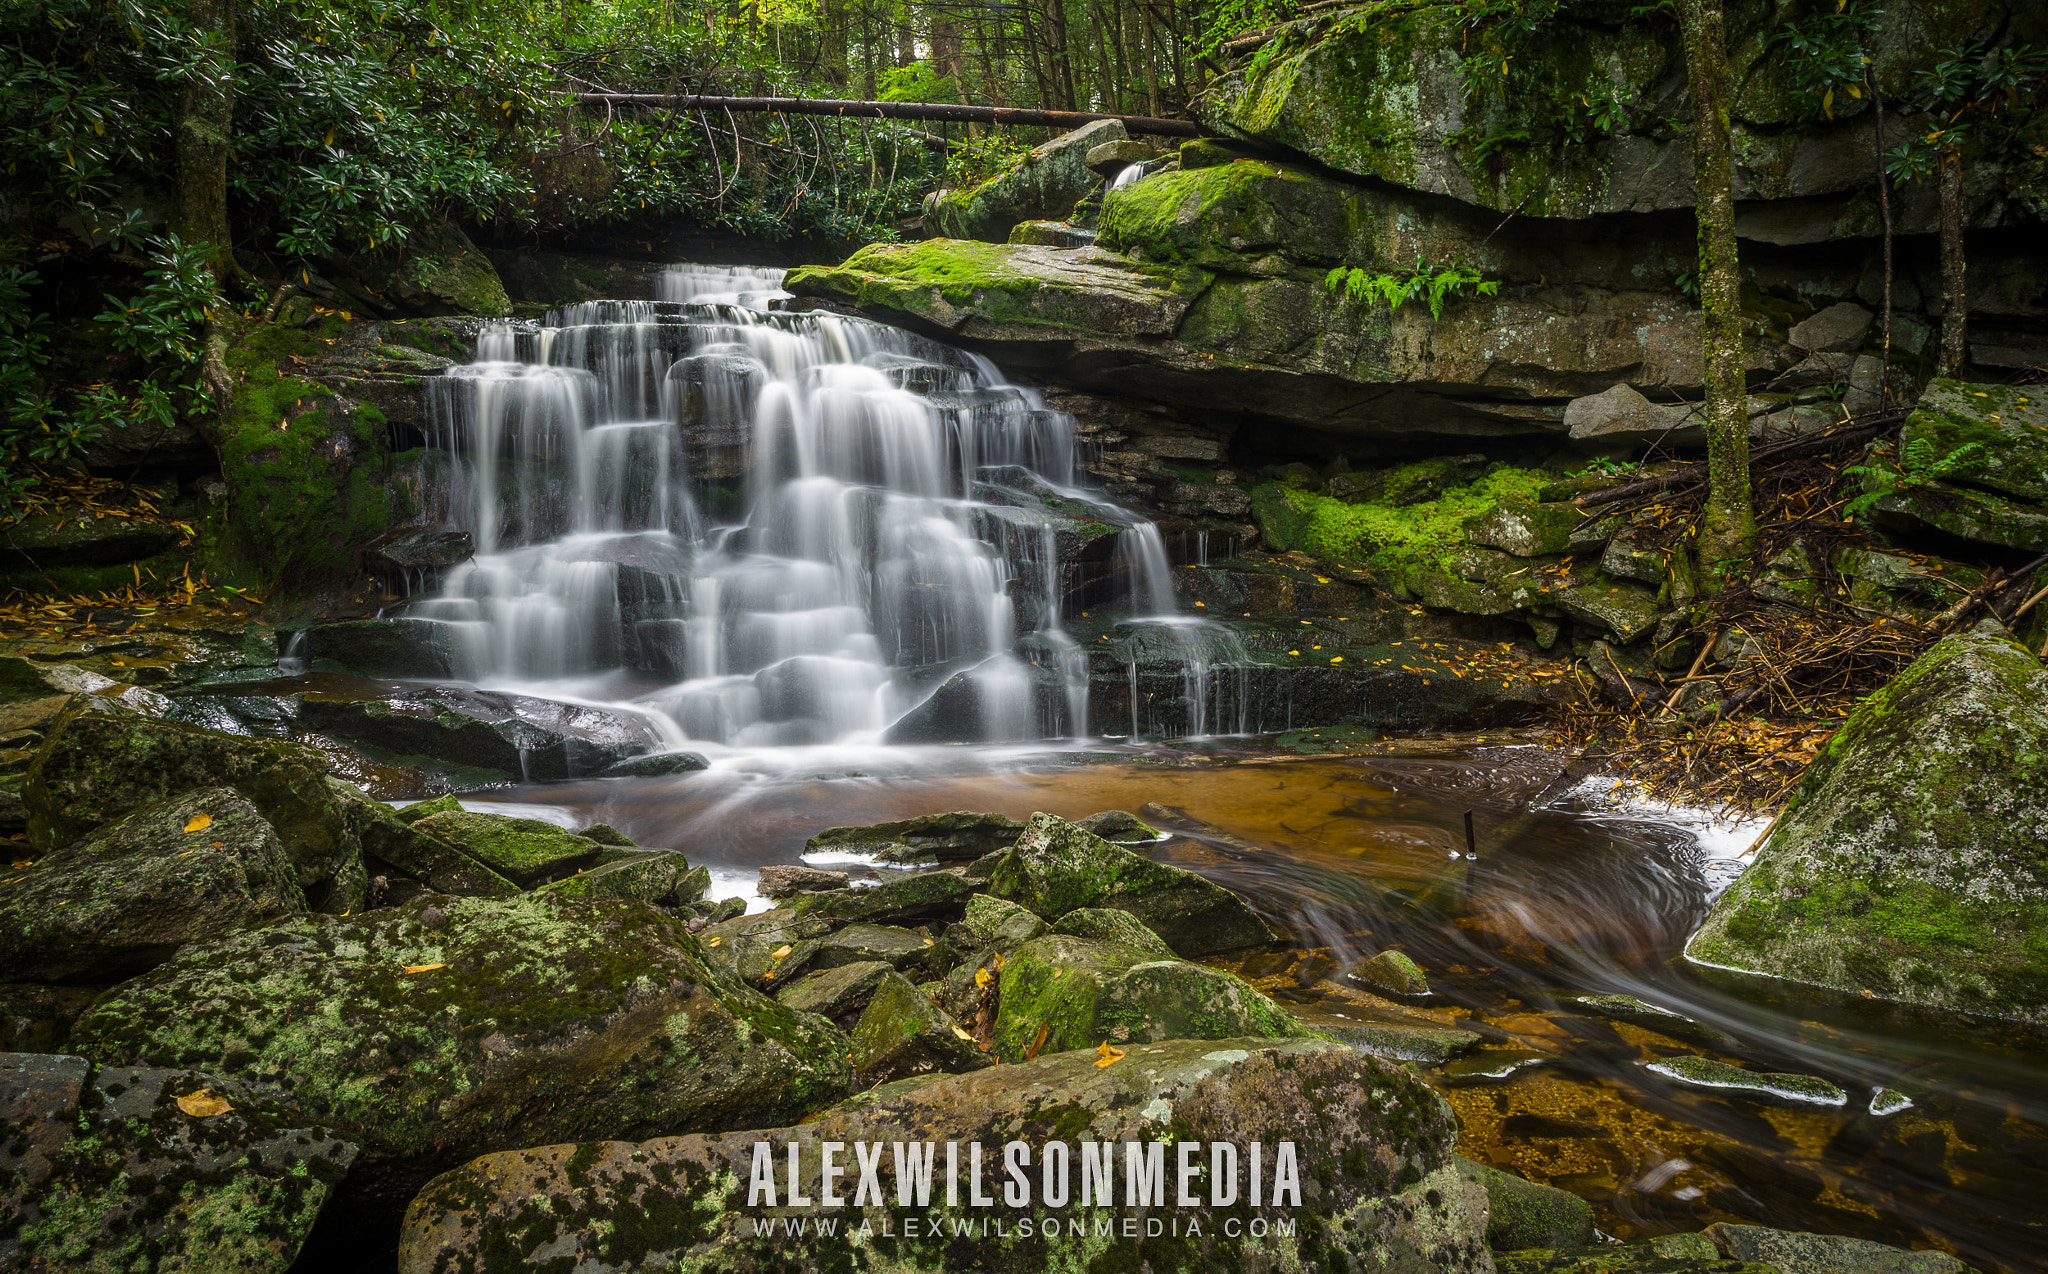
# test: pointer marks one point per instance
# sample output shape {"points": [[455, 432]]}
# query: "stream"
{"points": [[851, 532]]}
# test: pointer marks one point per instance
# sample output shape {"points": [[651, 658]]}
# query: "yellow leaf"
{"points": [[776, 954], [714, 942], [1106, 1053], [423, 968], [199, 823], [203, 1104], [962, 1034], [928, 942], [981, 978]]}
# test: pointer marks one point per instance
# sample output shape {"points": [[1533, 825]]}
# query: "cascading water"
{"points": [[761, 528]]}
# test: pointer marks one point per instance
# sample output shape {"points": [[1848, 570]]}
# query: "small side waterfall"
{"points": [[766, 528]]}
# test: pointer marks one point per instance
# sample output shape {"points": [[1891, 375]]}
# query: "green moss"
{"points": [[1383, 537]]}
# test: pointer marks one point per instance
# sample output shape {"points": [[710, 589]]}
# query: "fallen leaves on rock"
{"points": [[1107, 1054], [423, 968], [203, 1104], [199, 823]]}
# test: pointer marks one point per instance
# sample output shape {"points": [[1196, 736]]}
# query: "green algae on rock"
{"points": [[451, 1027], [1061, 993], [1988, 435], [959, 836], [1391, 971], [1107, 924], [999, 923], [1522, 1214], [109, 1172], [525, 851], [191, 868], [1429, 1044], [1910, 861], [901, 1033], [1703, 1072], [1056, 867], [1372, 1145]]}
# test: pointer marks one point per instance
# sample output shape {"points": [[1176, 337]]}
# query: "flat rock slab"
{"points": [[105, 1168], [1376, 1141], [525, 851], [194, 867], [525, 737], [1705, 1073], [1799, 1253], [834, 993], [960, 836]]}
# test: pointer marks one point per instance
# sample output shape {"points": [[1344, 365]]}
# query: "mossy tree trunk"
{"points": [[1729, 525], [1954, 295], [205, 134]]}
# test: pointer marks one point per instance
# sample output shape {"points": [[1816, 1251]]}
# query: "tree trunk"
{"points": [[204, 131], [1955, 298], [1729, 527]]}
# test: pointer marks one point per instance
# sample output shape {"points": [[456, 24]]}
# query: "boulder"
{"points": [[902, 1033], [781, 882], [1840, 328], [1106, 924], [2007, 423], [1061, 993], [929, 895], [44, 541], [835, 993], [1392, 972], [1121, 826], [452, 1027], [1791, 1252], [1669, 1254], [1110, 158], [401, 647], [1964, 513], [1524, 529], [1621, 419], [660, 876], [1056, 867], [437, 272], [439, 865], [138, 1168], [409, 555], [1910, 863], [525, 851], [997, 922], [1722, 1077], [1376, 1143], [1522, 1214], [1046, 182], [766, 949], [961, 836], [187, 869], [902, 949], [517, 735], [94, 767], [1428, 1044]]}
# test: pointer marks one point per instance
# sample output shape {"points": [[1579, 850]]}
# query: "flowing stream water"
{"points": [[843, 532]]}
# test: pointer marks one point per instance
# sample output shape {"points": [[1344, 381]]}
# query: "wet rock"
{"points": [[1842, 327], [835, 993], [1060, 993], [440, 865], [1350, 1120], [1888, 1101], [1538, 530], [452, 1027], [931, 895], [124, 900], [660, 876], [960, 836], [901, 949], [1628, 1008], [1432, 1045], [659, 765], [94, 768], [715, 395], [1045, 183], [1491, 1064], [996, 922], [44, 541], [1056, 867], [1523, 1215], [1393, 972], [1050, 234], [2007, 423], [1106, 924], [782, 881], [1705, 1073], [1796, 1253], [902, 1033], [1624, 609], [402, 647], [1110, 158], [764, 950], [108, 1170], [536, 739], [1119, 827], [410, 554], [525, 851], [1910, 862], [1670, 1254]]}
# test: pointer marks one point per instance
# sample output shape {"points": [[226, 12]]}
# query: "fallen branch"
{"points": [[946, 112], [1696, 473]]}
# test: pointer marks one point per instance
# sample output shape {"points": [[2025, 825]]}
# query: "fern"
{"points": [[1919, 465], [1395, 290]]}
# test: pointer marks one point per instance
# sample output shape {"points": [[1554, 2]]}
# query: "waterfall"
{"points": [[765, 528]]}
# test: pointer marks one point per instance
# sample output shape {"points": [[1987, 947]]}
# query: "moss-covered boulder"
{"points": [[1247, 215], [960, 836], [516, 735], [95, 767], [1061, 993], [1056, 867], [902, 1033], [902, 949], [765, 949], [1986, 435], [1392, 972], [47, 540], [187, 869], [1043, 183], [660, 876], [1522, 1214], [448, 1028], [1106, 924], [1668, 1254], [1000, 923], [834, 993], [526, 851], [1370, 1146], [927, 895], [1725, 1077], [1794, 1252], [1911, 863], [136, 1168]]}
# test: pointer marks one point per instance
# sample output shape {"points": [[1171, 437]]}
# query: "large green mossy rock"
{"points": [[452, 1027], [1235, 215], [1522, 1214], [1056, 867], [95, 767], [1372, 1145], [1912, 861], [1061, 993], [127, 897], [901, 1033], [526, 851], [1987, 435], [959, 836], [1042, 184], [108, 1172]]}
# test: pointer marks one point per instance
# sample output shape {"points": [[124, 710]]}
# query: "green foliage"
{"points": [[1824, 52], [976, 160], [1972, 93], [917, 82], [1921, 463], [1364, 287]]}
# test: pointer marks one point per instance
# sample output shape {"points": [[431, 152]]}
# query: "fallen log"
{"points": [[946, 112]]}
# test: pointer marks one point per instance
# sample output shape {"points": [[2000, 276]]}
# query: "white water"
{"points": [[845, 569]]}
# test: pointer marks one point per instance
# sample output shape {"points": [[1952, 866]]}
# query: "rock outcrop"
{"points": [[1909, 864], [1045, 182]]}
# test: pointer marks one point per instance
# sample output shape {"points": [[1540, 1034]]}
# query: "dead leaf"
{"points": [[423, 968], [203, 1104], [1038, 1040], [714, 942], [776, 954], [928, 942], [199, 823], [981, 978], [1107, 1053], [962, 1034]]}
